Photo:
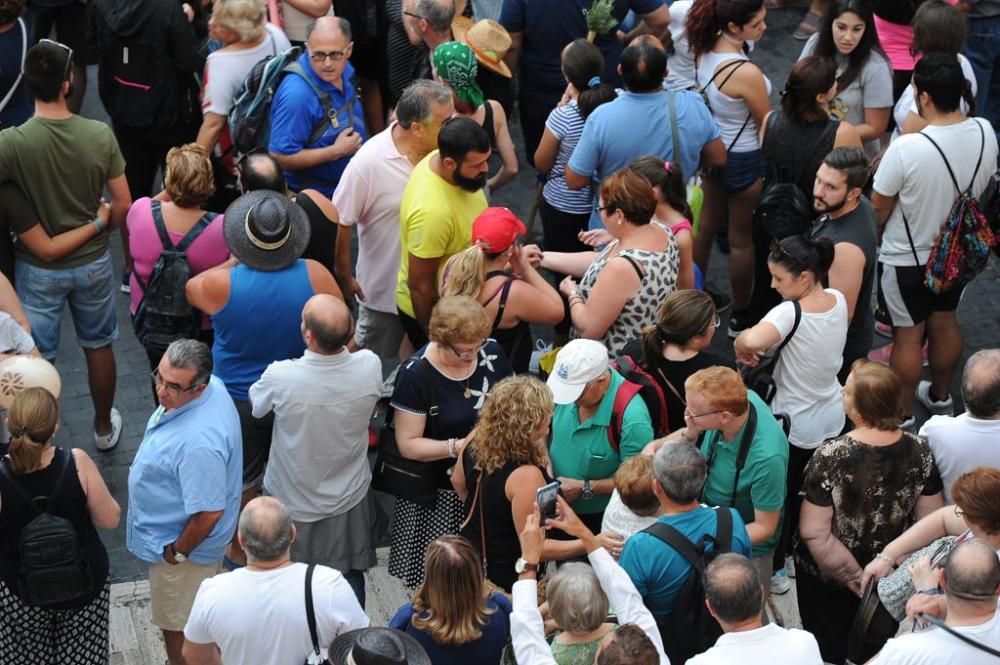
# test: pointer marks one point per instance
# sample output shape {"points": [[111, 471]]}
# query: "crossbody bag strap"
{"points": [[909, 235], [745, 442], [24, 52], [675, 135], [965, 638], [670, 385], [310, 610], [477, 506], [791, 333], [433, 410]]}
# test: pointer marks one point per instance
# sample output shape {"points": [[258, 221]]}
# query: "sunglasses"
{"points": [[69, 55]]}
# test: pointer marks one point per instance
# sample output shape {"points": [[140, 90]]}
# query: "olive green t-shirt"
{"points": [[62, 167]]}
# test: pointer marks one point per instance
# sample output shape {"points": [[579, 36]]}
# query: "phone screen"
{"points": [[546, 498]]}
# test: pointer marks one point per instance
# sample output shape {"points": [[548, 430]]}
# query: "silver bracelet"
{"points": [[887, 559], [451, 448]]}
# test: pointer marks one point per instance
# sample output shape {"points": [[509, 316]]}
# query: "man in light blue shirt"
{"points": [[639, 123], [184, 486]]}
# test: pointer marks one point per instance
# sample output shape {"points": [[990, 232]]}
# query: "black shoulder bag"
{"points": [[400, 476], [759, 378]]}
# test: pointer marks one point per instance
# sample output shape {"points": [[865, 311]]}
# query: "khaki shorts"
{"points": [[172, 590]]}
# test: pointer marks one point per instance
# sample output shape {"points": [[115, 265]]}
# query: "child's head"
{"points": [[667, 181], [583, 67]]}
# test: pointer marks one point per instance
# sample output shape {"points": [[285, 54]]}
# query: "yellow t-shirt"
{"points": [[435, 220]]}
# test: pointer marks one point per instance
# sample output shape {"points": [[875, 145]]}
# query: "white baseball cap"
{"points": [[577, 364]]}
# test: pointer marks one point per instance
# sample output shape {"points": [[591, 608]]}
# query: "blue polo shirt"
{"points": [[658, 571], [637, 124], [295, 113], [548, 26], [190, 461]]}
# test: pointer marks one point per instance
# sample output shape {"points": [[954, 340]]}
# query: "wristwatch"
{"points": [[588, 492], [522, 566], [179, 557]]}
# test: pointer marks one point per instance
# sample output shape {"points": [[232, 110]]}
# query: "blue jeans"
{"points": [[982, 48], [90, 291]]}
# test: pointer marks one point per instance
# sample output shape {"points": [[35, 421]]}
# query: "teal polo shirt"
{"points": [[763, 479], [582, 450]]}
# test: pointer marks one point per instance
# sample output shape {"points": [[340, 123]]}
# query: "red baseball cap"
{"points": [[496, 229]]}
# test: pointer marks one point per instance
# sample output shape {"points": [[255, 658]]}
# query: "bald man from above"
{"points": [[318, 466]]}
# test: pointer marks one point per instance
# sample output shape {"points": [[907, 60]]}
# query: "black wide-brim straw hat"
{"points": [[266, 230], [377, 646]]}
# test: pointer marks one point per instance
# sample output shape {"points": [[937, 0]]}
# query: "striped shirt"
{"points": [[566, 124]]}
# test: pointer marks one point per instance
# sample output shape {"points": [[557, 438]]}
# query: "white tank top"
{"points": [[729, 112]]}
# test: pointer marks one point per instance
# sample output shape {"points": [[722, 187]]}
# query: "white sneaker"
{"points": [[780, 584], [945, 408], [110, 440], [790, 567]]}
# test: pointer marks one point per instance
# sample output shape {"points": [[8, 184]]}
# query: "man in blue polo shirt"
{"points": [[638, 122], [184, 486], [298, 113]]}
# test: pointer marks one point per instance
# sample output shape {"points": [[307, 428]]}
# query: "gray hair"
{"points": [[981, 384], [733, 588], [342, 23], [266, 529], [438, 13], [576, 601], [680, 470], [191, 354], [415, 104]]}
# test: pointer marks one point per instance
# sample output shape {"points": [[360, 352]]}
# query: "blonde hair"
{"points": [[32, 420], [721, 387], [634, 482], [458, 319], [188, 177], [515, 408], [464, 273], [450, 605], [244, 17]]}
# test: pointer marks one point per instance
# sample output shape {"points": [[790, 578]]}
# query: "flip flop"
{"points": [[808, 27]]}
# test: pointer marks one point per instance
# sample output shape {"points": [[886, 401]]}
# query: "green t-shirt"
{"points": [[762, 481], [62, 167], [582, 450]]}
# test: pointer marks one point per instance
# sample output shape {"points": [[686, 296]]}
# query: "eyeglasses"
{"points": [[416, 16], [321, 56], [687, 412], [69, 56], [171, 387], [717, 322], [467, 355], [959, 512]]}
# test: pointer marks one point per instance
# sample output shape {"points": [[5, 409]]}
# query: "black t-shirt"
{"points": [[669, 373]]}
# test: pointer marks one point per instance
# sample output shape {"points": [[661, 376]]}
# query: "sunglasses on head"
{"points": [[69, 55]]}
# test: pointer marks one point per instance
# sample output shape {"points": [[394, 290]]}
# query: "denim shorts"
{"points": [[742, 169], [90, 291]]}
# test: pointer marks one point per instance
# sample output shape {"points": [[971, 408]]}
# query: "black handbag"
{"points": [[871, 629], [759, 378], [400, 476]]}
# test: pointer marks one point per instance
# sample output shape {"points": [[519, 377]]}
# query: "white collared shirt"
{"points": [[762, 646], [322, 405], [527, 630]]}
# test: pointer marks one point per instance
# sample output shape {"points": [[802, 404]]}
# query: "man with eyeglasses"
{"points": [[728, 423], [297, 112], [62, 163], [184, 486]]}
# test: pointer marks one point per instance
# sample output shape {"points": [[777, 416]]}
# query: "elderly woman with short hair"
{"points": [[247, 38], [437, 398], [633, 505], [579, 607]]}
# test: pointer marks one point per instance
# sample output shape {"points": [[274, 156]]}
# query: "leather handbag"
{"points": [[871, 629], [396, 474], [760, 377]]}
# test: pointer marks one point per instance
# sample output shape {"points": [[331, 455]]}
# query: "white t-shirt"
{"points": [[13, 338], [912, 168], [961, 444], [934, 646], [766, 645], [806, 373], [225, 70], [907, 103], [680, 66], [259, 617]]}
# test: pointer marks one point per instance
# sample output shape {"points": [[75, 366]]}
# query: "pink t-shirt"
{"points": [[895, 40], [208, 250], [369, 195]]}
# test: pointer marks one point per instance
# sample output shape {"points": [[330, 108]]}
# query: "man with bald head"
{"points": [[318, 466], [255, 614], [317, 123]]}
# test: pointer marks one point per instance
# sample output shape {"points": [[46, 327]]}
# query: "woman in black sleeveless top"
{"points": [[499, 473], [794, 140], [512, 299], [76, 630]]}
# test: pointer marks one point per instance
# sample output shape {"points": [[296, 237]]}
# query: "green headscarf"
{"points": [[456, 65]]}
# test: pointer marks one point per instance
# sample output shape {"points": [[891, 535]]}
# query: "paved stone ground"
{"points": [[979, 316]]}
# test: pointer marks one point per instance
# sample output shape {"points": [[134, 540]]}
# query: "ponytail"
{"points": [[464, 273], [583, 65], [707, 18], [32, 420], [685, 314], [668, 177]]}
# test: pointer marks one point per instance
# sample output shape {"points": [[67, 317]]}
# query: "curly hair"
{"points": [[516, 407], [10, 10], [188, 179], [458, 320], [246, 18]]}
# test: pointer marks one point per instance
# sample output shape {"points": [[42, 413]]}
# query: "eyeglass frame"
{"points": [[170, 386], [321, 56], [702, 415], [416, 16], [69, 55], [471, 354]]}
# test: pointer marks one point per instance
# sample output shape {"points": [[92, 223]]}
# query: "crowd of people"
{"points": [[580, 472]]}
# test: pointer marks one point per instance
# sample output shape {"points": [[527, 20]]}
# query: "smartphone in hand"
{"points": [[545, 496]]}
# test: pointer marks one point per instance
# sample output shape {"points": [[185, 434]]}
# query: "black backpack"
{"points": [[784, 209], [52, 572], [164, 314], [690, 629]]}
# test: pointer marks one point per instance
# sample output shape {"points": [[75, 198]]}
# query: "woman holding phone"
{"points": [[500, 473]]}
